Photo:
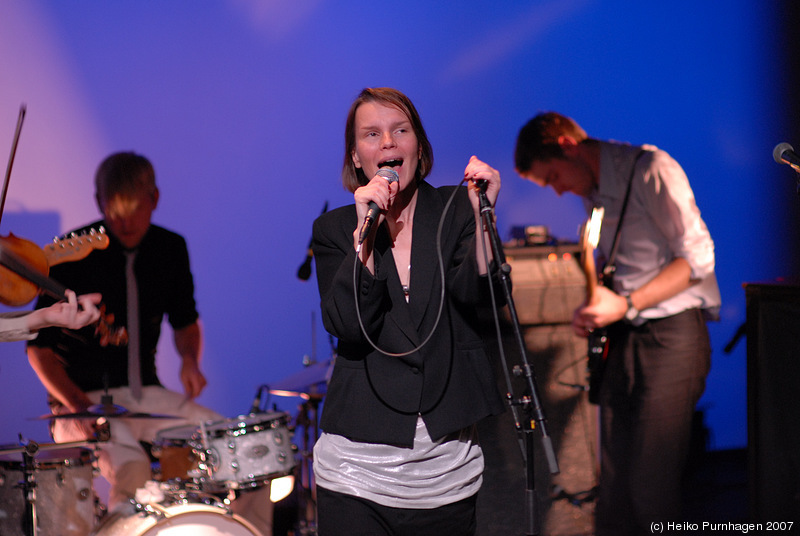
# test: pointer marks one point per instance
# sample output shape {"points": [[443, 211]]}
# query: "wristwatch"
{"points": [[632, 312]]}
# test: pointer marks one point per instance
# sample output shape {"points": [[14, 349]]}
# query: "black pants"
{"points": [[339, 514], [654, 377]]}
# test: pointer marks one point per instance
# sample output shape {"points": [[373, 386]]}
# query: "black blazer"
{"points": [[374, 397]]}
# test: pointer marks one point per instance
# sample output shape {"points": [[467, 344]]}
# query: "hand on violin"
{"points": [[75, 313], [477, 170]]}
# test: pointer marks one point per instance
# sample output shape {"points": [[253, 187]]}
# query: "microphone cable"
{"points": [[440, 260]]}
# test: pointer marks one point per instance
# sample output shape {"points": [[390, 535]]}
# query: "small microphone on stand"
{"points": [[304, 272], [256, 407], [784, 154]]}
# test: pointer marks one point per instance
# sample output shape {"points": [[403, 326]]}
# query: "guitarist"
{"points": [[655, 309]]}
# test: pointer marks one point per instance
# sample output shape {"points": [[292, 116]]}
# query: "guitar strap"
{"points": [[609, 268]]}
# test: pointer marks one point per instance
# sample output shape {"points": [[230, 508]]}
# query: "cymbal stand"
{"points": [[308, 419], [28, 486]]}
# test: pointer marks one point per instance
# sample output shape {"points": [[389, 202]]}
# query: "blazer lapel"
{"points": [[425, 268]]}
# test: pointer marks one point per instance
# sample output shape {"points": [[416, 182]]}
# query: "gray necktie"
{"points": [[134, 367]]}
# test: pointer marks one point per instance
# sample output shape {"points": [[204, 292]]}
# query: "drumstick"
{"points": [[205, 446]]}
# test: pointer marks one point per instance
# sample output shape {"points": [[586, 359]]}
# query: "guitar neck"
{"points": [[75, 246], [587, 262]]}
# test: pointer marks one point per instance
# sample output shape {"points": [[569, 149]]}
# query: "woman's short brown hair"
{"points": [[353, 177]]}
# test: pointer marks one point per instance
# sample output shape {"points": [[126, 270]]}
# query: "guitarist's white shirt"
{"points": [[662, 223]]}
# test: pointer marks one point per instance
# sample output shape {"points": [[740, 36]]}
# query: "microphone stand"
{"points": [[530, 405]]}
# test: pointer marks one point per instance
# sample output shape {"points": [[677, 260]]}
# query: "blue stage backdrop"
{"points": [[240, 105]]}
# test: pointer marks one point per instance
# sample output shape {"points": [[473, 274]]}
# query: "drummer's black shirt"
{"points": [[165, 286]]}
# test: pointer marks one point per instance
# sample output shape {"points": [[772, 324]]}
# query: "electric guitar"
{"points": [[598, 337]]}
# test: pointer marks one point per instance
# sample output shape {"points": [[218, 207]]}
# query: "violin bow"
{"points": [[20, 119]]}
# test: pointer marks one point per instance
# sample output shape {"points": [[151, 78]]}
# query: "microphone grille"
{"points": [[779, 150], [389, 174]]}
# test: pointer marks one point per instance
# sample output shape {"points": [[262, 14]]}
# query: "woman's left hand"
{"points": [[478, 170]]}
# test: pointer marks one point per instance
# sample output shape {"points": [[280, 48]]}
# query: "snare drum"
{"points": [[249, 450], [240, 453], [65, 499], [174, 516], [177, 457]]}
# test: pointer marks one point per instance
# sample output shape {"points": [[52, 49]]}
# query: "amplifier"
{"points": [[548, 283]]}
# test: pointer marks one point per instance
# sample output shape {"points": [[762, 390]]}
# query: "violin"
{"points": [[24, 266]]}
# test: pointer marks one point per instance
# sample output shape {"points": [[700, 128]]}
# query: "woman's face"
{"points": [[385, 138]]}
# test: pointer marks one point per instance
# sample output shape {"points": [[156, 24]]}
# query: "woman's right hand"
{"points": [[378, 191]]}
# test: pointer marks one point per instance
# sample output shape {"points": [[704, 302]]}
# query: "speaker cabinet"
{"points": [[548, 283], [773, 400]]}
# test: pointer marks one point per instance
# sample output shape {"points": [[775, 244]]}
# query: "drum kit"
{"points": [[197, 469]]}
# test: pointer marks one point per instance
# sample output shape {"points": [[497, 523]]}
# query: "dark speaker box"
{"points": [[773, 400]]}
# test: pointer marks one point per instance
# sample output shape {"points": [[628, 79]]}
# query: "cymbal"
{"points": [[311, 382], [109, 411], [41, 448]]}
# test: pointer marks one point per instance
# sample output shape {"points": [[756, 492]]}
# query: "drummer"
{"points": [[143, 275], [74, 313]]}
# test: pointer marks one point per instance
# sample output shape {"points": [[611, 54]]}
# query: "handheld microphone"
{"points": [[784, 154], [372, 214]]}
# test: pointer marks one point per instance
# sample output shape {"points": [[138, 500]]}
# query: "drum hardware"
{"points": [[310, 384], [30, 521]]}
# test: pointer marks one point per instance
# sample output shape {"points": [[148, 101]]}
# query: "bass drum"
{"points": [[65, 499], [186, 519]]}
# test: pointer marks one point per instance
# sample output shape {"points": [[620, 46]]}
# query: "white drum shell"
{"points": [[249, 450], [65, 498]]}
